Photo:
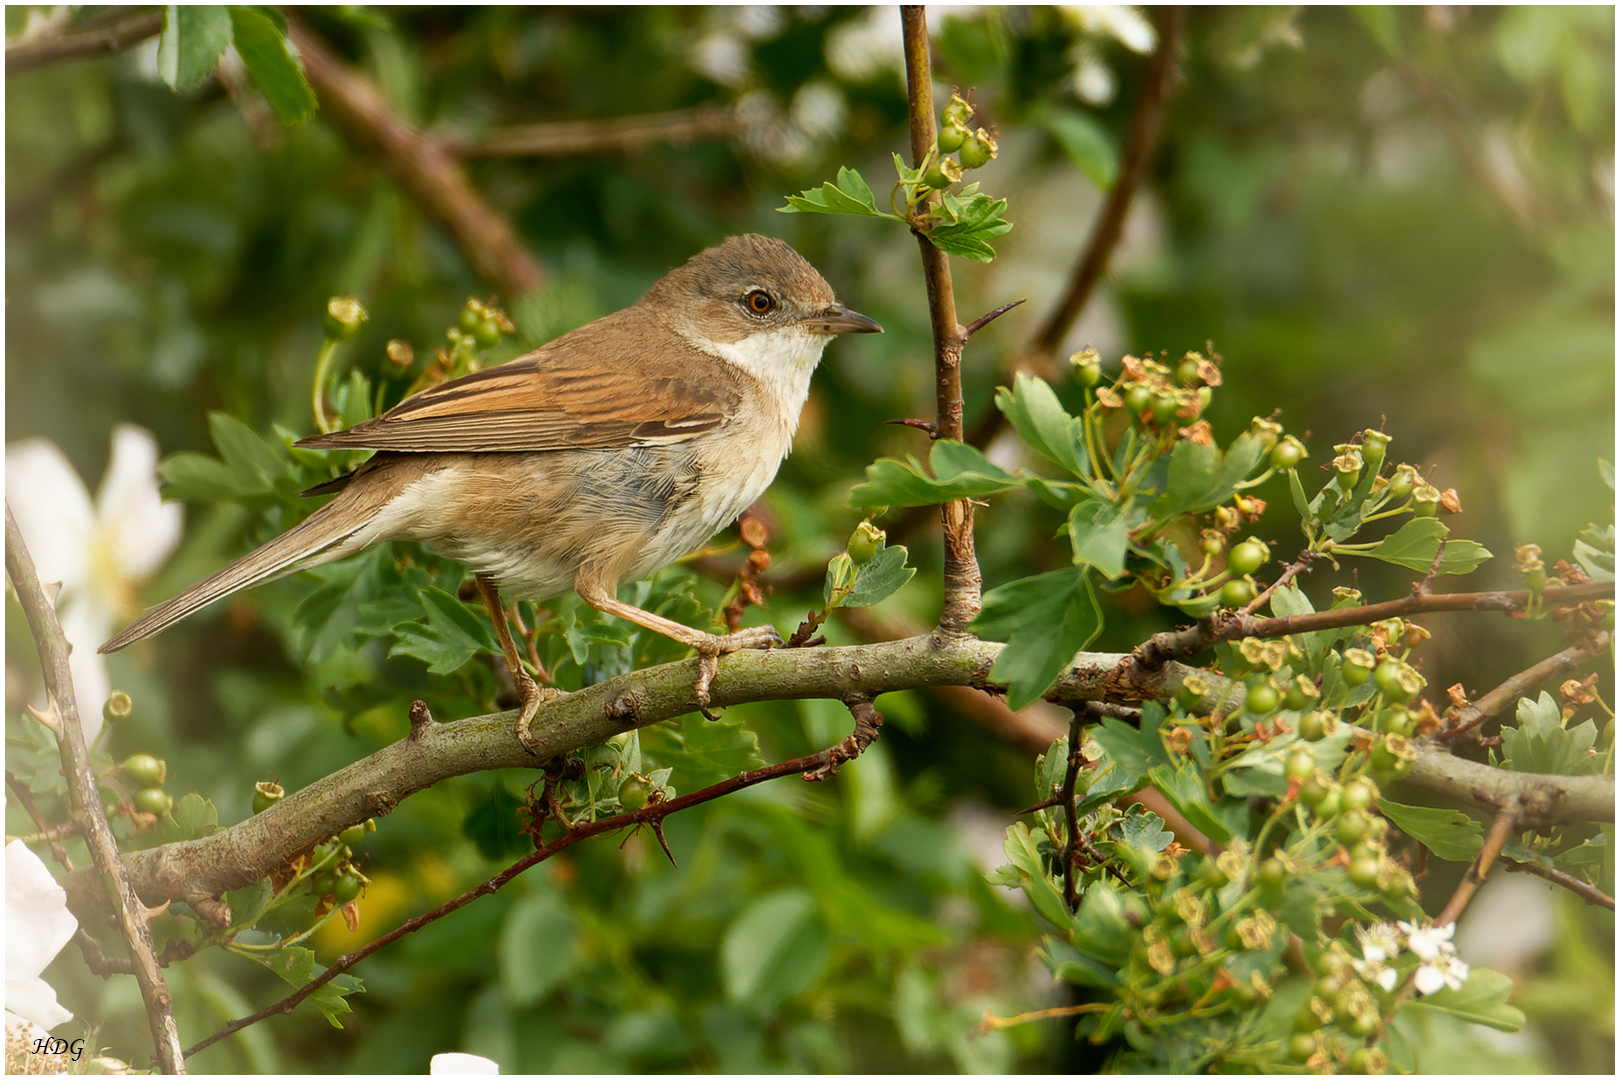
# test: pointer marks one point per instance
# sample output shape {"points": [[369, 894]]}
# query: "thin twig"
{"points": [[963, 581], [48, 832], [1475, 877], [812, 767], [1071, 817], [621, 134], [131, 913], [1520, 206], [1476, 713], [98, 36], [428, 174], [1290, 572], [1140, 141], [1590, 893]]}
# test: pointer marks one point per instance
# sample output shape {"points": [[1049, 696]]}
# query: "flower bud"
{"points": [[978, 151], [344, 314], [400, 353]]}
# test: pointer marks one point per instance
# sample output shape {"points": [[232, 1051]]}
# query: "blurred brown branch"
{"points": [[108, 32], [422, 167], [621, 134]]}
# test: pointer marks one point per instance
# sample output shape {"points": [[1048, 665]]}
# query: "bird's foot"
{"points": [[717, 645], [534, 695]]}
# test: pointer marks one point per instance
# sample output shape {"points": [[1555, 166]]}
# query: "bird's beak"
{"points": [[838, 319]]}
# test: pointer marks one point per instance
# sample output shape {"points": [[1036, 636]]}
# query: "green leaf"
{"points": [[1413, 546], [960, 472], [1540, 743], [962, 225], [249, 903], [1045, 620], [850, 195], [1481, 1000], [881, 577], [1101, 927], [1073, 966], [1098, 532], [703, 751], [1022, 848], [536, 950], [194, 37], [249, 457], [297, 966], [1183, 785], [1144, 829], [1134, 751], [776, 948], [193, 817], [1201, 477], [1086, 143], [263, 47], [449, 637], [1450, 834], [1033, 409]]}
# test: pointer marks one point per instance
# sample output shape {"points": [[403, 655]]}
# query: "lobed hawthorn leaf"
{"points": [[1033, 409], [959, 472], [1482, 999], [1201, 477], [1413, 546], [1044, 620], [881, 577], [850, 195], [1099, 532]]}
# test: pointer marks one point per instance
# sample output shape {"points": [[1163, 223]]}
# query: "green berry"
{"points": [[952, 134], [942, 174], [1313, 725], [1352, 826], [1288, 453], [957, 111], [978, 151], [1364, 871], [1396, 681], [145, 771], [864, 543], [1300, 694], [152, 800], [1236, 593], [266, 793], [1312, 791], [1357, 795], [117, 707], [355, 833], [1262, 699], [323, 883], [1247, 557], [1164, 408], [1301, 764], [1330, 806], [487, 333], [1138, 398], [634, 793], [1273, 874], [347, 887], [1356, 665], [323, 852], [471, 315], [1302, 1045]]}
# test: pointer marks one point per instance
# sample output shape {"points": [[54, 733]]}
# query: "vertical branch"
{"points": [[1489, 850], [962, 579], [1139, 144], [132, 915]]}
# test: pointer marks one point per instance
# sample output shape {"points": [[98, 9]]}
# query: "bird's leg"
{"points": [[528, 690], [710, 647]]}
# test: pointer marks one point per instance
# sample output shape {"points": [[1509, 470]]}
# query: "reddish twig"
{"points": [[48, 832], [1591, 894], [428, 174], [963, 581], [1476, 713], [812, 767], [131, 915], [1494, 839]]}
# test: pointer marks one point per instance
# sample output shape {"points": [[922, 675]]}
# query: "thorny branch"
{"points": [[132, 915], [812, 767], [1590, 893], [963, 581], [620, 134], [1475, 877], [1477, 712]]}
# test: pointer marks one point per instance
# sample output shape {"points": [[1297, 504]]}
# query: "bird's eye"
{"points": [[760, 302]]}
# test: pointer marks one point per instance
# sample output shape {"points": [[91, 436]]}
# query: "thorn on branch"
{"points": [[921, 425], [986, 319]]}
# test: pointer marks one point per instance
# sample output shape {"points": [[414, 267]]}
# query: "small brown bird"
{"points": [[594, 460]]}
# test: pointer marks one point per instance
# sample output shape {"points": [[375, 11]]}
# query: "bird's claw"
{"points": [[534, 696]]}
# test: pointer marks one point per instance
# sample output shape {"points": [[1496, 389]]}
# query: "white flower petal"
{"points": [[38, 925], [462, 1065], [1428, 979], [53, 511], [138, 528], [86, 625]]}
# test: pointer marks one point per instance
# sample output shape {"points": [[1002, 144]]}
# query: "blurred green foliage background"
{"points": [[1396, 217]]}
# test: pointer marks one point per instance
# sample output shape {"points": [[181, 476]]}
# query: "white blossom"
{"points": [[1378, 942], [38, 925], [99, 550], [462, 1065], [1428, 942], [1442, 971], [1375, 971]]}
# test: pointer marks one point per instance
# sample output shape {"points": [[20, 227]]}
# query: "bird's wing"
{"points": [[619, 382]]}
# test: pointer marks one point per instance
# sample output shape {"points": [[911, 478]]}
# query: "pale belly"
{"points": [[532, 520]]}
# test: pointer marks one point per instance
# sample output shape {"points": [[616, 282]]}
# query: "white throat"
{"points": [[782, 360]]}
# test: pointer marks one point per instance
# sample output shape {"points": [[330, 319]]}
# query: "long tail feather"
{"points": [[303, 544]]}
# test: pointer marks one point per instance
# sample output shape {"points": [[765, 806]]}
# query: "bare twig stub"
{"points": [[131, 914], [963, 581], [1590, 893], [811, 767], [621, 134], [101, 35], [429, 174]]}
